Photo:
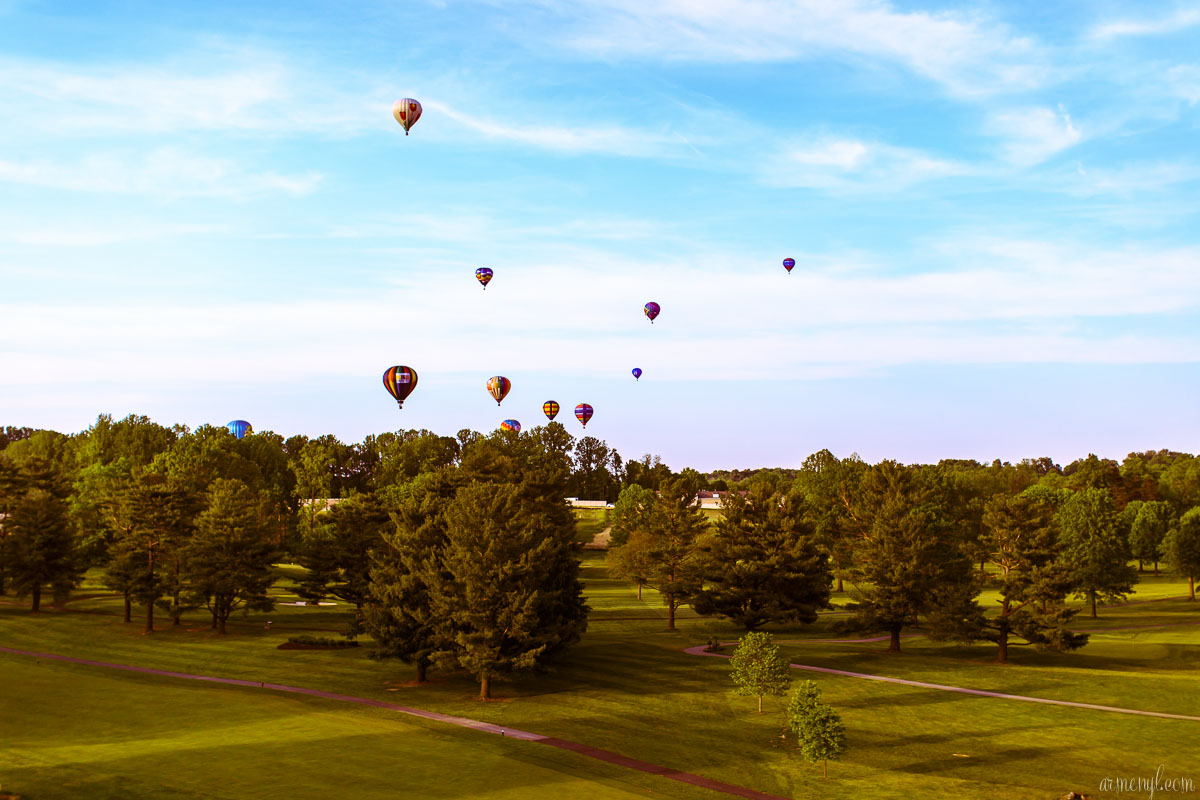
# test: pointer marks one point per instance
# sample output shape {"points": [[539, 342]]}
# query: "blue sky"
{"points": [[207, 212]]}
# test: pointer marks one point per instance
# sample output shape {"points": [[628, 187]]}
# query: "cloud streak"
{"points": [[967, 54]]}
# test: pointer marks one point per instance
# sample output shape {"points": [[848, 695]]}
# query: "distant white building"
{"points": [[575, 502], [707, 499]]}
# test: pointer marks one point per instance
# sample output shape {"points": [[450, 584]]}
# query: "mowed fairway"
{"points": [[74, 731]]}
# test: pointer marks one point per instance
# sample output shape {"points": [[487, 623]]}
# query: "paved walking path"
{"points": [[699, 650], [483, 727]]}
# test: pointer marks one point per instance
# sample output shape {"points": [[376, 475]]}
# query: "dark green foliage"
{"points": [[153, 520], [322, 641], [757, 667], [1022, 546], [595, 468], [629, 513], [762, 565], [501, 594], [664, 549], [1182, 548], [824, 482], [1093, 548], [1148, 530], [338, 555], [400, 618], [11, 433], [906, 556], [228, 561], [135, 439], [1179, 483], [820, 734], [41, 551], [482, 571]]}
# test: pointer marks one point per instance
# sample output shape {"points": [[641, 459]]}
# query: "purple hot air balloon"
{"points": [[788, 263], [583, 412], [652, 309], [637, 373], [483, 275]]}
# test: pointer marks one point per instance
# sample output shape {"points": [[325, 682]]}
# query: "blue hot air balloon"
{"points": [[239, 428]]}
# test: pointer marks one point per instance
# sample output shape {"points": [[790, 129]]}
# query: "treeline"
{"points": [[179, 520], [459, 551], [916, 544]]}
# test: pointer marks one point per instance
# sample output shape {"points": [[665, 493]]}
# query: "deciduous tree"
{"points": [[1093, 549], [1182, 548], [819, 731], [758, 668]]}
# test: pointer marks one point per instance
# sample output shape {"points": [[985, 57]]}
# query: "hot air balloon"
{"points": [[788, 263], [511, 425], [637, 373], [652, 310], [550, 409], [400, 382], [498, 387], [483, 275], [583, 412], [406, 111], [239, 428]]}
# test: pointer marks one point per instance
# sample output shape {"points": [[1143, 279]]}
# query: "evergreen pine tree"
{"points": [[762, 564]]}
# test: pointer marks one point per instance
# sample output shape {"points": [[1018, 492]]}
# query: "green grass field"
{"points": [[589, 522], [70, 731]]}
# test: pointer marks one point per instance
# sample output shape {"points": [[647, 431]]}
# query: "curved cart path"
{"points": [[699, 650], [464, 722]]}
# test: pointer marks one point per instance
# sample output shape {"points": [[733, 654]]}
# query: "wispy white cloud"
{"points": [[846, 164], [967, 53], [1184, 81], [604, 138], [74, 233], [994, 301], [163, 172], [1126, 179], [1181, 20], [213, 91], [1032, 135]]}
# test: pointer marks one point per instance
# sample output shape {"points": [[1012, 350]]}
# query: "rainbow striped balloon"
{"points": [[583, 412], [498, 387], [400, 382]]}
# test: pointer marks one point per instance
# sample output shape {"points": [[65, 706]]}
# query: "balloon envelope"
{"points": [[583, 412], [550, 409], [637, 373], [400, 382], [239, 427], [483, 275], [511, 425], [406, 111], [498, 387], [788, 263], [652, 310]]}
